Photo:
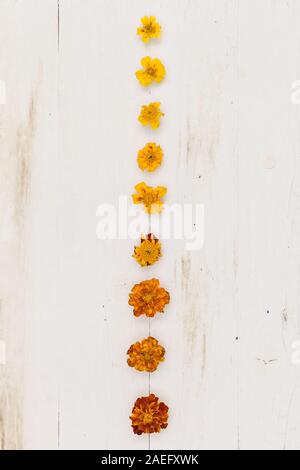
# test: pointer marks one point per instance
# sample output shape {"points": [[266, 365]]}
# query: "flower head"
{"points": [[146, 355], [149, 29], [150, 197], [149, 415], [150, 115], [150, 157], [153, 71], [149, 250], [148, 298]]}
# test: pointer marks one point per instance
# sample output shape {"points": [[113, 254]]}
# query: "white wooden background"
{"points": [[69, 135]]}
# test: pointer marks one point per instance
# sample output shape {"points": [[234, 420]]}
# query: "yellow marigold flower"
{"points": [[148, 298], [150, 157], [146, 355], [149, 415], [150, 28], [153, 71], [148, 252], [150, 115], [150, 197]]}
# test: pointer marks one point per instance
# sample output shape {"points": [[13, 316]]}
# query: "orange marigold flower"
{"points": [[149, 415], [149, 250], [150, 28], [148, 298], [150, 197], [150, 157], [146, 355]]}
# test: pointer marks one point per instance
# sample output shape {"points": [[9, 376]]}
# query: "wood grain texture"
{"points": [[68, 141], [28, 240]]}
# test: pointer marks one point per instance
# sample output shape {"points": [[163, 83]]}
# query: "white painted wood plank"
{"points": [[28, 230], [99, 101], [268, 261], [199, 378]]}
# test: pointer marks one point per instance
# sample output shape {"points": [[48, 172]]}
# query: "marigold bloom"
{"points": [[148, 298], [150, 197], [146, 355], [153, 71], [149, 415], [150, 115], [150, 28], [150, 157], [149, 250]]}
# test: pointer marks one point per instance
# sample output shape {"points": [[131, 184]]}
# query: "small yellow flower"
{"points": [[150, 197], [146, 355], [149, 250], [150, 115], [150, 157], [150, 28], [153, 71]]}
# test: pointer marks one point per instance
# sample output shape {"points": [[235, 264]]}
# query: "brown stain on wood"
{"points": [[191, 328], [185, 271], [204, 140], [11, 423], [11, 374], [213, 142], [193, 143], [2, 434], [23, 154], [203, 354], [189, 141], [190, 314], [191, 318]]}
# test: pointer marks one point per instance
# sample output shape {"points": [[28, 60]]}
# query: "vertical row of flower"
{"points": [[148, 298]]}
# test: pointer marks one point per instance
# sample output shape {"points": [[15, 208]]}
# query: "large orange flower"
{"points": [[146, 355], [149, 415], [148, 298]]}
